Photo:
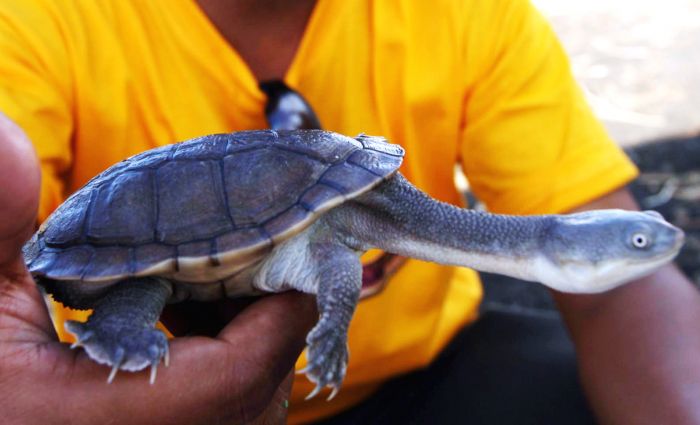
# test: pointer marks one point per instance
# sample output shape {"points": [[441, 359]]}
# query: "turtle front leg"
{"points": [[340, 281], [120, 332]]}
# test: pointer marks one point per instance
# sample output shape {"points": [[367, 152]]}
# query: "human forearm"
{"points": [[639, 349], [638, 346]]}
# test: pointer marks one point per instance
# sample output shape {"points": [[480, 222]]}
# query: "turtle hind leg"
{"points": [[340, 282], [120, 332]]}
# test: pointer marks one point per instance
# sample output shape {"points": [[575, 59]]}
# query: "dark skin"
{"points": [[638, 345], [266, 34]]}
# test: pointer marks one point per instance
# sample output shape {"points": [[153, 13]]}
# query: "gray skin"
{"points": [[265, 211]]}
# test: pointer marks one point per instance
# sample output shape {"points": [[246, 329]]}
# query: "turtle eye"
{"points": [[640, 240]]}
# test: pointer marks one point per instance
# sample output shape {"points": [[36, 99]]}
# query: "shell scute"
{"points": [[195, 249], [320, 196], [153, 255], [217, 201], [264, 182], [67, 226], [348, 177], [111, 262], [249, 140], [42, 262], [380, 144], [287, 221], [71, 263], [320, 145], [202, 148], [377, 163], [245, 242], [190, 202], [149, 159], [123, 210]]}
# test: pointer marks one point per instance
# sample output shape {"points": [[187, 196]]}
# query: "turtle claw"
{"points": [[327, 359], [118, 360], [313, 393], [333, 393], [123, 347], [166, 356], [154, 371], [112, 374]]}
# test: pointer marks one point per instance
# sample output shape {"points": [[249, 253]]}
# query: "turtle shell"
{"points": [[181, 210]]}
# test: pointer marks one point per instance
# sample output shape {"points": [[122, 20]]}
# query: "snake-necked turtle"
{"points": [[265, 211]]}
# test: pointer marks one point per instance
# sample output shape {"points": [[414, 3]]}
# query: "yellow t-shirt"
{"points": [[481, 83]]}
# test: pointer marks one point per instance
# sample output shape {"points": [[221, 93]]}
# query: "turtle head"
{"points": [[595, 251]]}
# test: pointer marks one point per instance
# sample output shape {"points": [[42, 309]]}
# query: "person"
{"points": [[483, 84]]}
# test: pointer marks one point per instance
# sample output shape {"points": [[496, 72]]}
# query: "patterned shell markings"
{"points": [[235, 194]]}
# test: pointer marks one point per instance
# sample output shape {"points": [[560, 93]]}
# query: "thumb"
{"points": [[22, 311], [19, 191]]}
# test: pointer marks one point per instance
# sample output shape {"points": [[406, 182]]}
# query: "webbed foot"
{"points": [[327, 357], [339, 283], [120, 332], [122, 347]]}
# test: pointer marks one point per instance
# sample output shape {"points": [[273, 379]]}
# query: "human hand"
{"points": [[241, 374]]}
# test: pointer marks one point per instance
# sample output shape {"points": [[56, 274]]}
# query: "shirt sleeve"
{"points": [[530, 143], [36, 88]]}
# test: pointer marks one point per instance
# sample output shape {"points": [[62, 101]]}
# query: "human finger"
{"points": [[231, 379], [19, 190]]}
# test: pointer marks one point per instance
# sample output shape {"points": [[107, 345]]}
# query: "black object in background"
{"points": [[286, 109]]}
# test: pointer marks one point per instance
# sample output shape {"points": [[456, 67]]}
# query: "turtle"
{"points": [[262, 211]]}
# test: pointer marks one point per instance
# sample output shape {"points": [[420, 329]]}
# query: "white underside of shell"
{"points": [[287, 266]]}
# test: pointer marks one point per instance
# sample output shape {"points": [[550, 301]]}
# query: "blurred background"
{"points": [[639, 63]]}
